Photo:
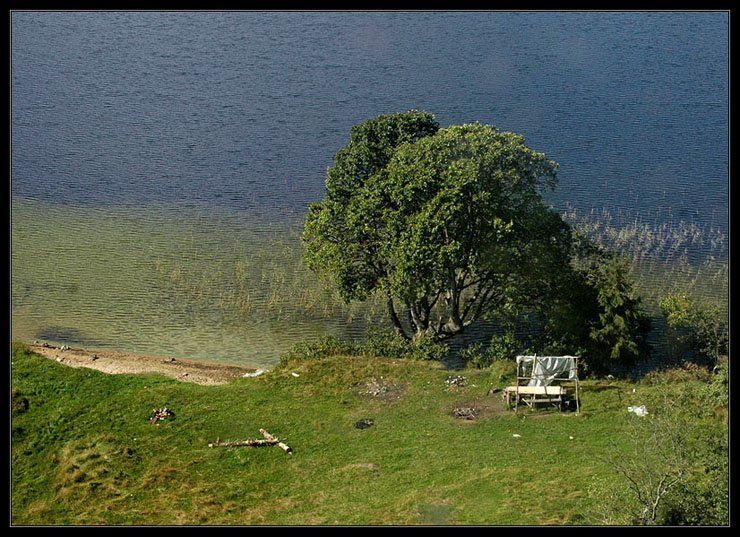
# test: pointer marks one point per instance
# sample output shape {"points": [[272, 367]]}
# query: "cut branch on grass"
{"points": [[270, 440], [242, 443]]}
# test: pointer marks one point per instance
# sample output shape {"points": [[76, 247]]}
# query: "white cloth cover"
{"points": [[546, 368]]}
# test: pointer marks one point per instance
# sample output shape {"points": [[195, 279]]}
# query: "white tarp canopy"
{"points": [[547, 368]]}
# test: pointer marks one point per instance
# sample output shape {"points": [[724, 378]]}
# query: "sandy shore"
{"points": [[115, 362]]}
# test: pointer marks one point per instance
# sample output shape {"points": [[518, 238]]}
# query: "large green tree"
{"points": [[449, 224]]}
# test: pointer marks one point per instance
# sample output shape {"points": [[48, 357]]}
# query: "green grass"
{"points": [[85, 452]]}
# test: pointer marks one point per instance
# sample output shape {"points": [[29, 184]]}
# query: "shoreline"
{"points": [[118, 363]]}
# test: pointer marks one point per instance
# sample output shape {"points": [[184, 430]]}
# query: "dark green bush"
{"points": [[688, 371], [717, 391], [503, 347], [695, 332], [703, 500], [381, 343], [311, 350]]}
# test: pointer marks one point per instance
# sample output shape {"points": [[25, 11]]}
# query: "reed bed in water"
{"points": [[200, 284], [665, 258], [271, 281]]}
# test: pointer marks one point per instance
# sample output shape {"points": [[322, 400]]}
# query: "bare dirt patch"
{"points": [[471, 411], [382, 389], [362, 466], [116, 363]]}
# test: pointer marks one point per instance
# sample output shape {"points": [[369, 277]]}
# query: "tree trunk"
{"points": [[394, 317]]}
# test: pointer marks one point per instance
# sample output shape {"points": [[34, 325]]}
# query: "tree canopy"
{"points": [[449, 224]]}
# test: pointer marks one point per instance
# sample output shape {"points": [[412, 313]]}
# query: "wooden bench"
{"points": [[537, 394]]}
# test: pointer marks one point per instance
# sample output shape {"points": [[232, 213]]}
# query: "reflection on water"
{"points": [[244, 110], [171, 156], [193, 283]]}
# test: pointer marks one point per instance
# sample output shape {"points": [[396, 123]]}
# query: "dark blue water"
{"points": [[245, 110], [158, 158]]}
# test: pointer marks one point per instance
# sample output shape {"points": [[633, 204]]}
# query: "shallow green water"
{"points": [[166, 280], [187, 282]]}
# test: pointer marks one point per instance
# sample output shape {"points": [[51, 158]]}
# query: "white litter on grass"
{"points": [[516, 435], [255, 373], [295, 374], [570, 437], [638, 410]]}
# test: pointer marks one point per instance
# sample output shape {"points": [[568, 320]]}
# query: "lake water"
{"points": [[159, 158]]}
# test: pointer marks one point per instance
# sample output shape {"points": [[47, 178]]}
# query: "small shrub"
{"points": [[426, 348], [311, 350], [388, 344], [379, 343], [474, 356], [384, 343], [717, 391], [656, 464], [687, 372], [695, 331], [673, 472], [503, 347], [703, 500]]}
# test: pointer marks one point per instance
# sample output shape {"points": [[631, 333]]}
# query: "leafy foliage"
{"points": [[676, 471], [342, 232], [380, 343], [596, 313], [450, 226], [703, 499], [621, 331], [502, 347], [698, 332], [717, 391]]}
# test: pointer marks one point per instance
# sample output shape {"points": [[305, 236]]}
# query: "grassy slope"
{"points": [[85, 451]]}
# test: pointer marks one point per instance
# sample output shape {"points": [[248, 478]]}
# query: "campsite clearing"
{"points": [[84, 450]]}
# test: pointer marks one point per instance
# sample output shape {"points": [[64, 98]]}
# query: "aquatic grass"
{"points": [[641, 240], [168, 281], [665, 258], [223, 286]]}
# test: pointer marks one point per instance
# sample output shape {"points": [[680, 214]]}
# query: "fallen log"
{"points": [[271, 438], [242, 443]]}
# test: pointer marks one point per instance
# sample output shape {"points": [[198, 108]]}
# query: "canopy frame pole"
{"points": [[578, 394], [516, 397]]}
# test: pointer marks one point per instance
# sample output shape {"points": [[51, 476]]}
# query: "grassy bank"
{"points": [[84, 451]]}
